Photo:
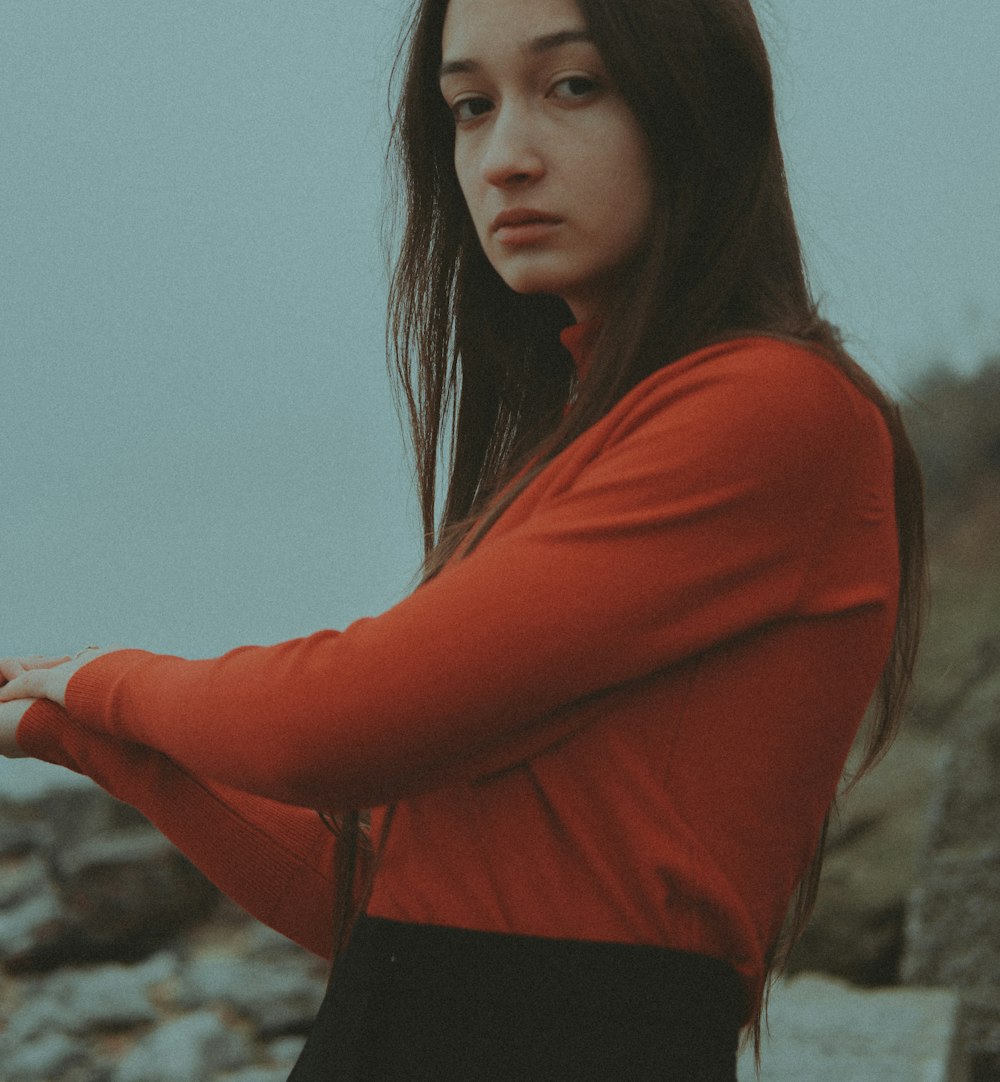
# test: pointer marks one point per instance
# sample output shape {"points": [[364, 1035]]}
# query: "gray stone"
{"points": [[47, 1057], [22, 877], [953, 918], [37, 1015], [107, 997], [64, 813], [286, 1049], [278, 996], [190, 1049], [29, 926], [822, 1029], [128, 892], [873, 850], [18, 838], [82, 1003], [114, 889]]}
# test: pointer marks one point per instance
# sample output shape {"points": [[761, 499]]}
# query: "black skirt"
{"points": [[409, 1002]]}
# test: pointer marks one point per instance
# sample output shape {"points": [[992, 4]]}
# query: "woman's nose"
{"points": [[512, 153]]}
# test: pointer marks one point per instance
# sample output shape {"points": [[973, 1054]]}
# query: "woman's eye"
{"points": [[575, 87], [470, 109]]}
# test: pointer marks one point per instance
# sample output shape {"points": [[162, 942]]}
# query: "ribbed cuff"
{"points": [[89, 695], [38, 734]]}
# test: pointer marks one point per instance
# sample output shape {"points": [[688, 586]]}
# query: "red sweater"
{"points": [[622, 718]]}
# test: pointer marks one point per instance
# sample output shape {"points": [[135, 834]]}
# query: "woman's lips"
{"points": [[518, 227], [529, 233]]}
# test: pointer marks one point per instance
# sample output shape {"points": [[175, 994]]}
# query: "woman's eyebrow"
{"points": [[535, 46]]}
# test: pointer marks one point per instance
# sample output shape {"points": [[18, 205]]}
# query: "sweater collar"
{"points": [[579, 339]]}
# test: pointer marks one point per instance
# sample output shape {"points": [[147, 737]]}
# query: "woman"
{"points": [[680, 548]]}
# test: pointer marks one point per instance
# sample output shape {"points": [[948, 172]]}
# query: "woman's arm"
{"points": [[741, 486]]}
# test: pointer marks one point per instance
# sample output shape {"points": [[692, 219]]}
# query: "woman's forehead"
{"points": [[471, 26]]}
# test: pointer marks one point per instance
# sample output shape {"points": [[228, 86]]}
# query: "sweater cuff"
{"points": [[40, 732], [90, 692]]}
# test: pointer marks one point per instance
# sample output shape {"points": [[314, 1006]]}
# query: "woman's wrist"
{"points": [[11, 715], [44, 678]]}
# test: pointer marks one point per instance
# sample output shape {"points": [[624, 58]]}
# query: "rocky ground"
{"points": [[122, 964]]}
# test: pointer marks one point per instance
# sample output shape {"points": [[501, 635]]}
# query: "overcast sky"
{"points": [[198, 443]]}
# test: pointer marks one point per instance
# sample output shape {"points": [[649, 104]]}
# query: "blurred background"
{"points": [[198, 447]]}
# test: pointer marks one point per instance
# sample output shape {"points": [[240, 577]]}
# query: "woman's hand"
{"points": [[42, 677], [10, 717]]}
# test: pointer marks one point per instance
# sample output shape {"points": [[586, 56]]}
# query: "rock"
{"points": [[86, 878], [59, 815], [19, 838], [21, 878], [31, 911], [278, 997], [190, 1049], [953, 918], [823, 1029], [286, 1050], [126, 893], [59, 1014], [106, 997], [29, 927], [872, 852], [36, 1016], [48, 1056]]}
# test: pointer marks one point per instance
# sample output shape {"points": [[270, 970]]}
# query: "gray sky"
{"points": [[198, 444], [890, 113]]}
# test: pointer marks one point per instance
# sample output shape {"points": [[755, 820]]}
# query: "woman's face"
{"points": [[553, 165]]}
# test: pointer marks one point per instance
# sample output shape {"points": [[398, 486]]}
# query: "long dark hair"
{"points": [[482, 377]]}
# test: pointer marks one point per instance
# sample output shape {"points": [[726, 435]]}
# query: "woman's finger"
{"points": [[48, 681], [12, 667], [26, 686]]}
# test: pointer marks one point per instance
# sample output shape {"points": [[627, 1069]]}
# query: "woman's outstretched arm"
{"points": [[274, 860], [747, 484]]}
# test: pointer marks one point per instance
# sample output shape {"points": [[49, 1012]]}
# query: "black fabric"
{"points": [[408, 1003]]}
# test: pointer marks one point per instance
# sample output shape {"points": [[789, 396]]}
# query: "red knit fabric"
{"points": [[622, 718]]}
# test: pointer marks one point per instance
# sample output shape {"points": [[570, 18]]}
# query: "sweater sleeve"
{"points": [[274, 860], [726, 492]]}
